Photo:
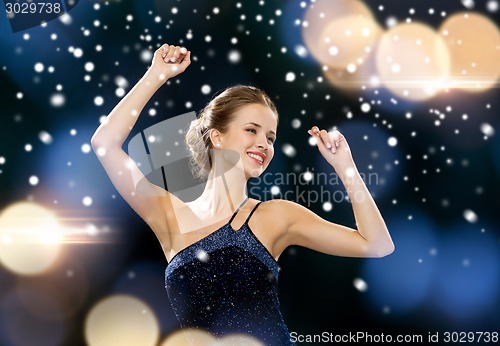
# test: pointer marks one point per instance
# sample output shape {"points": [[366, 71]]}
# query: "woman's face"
{"points": [[252, 134]]}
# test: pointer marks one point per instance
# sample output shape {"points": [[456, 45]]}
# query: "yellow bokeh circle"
{"points": [[199, 337], [474, 43], [413, 61], [338, 33], [121, 320], [29, 238]]}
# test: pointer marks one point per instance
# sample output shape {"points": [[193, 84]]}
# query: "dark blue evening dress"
{"points": [[227, 282]]}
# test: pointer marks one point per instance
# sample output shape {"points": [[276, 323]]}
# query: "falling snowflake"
{"points": [[33, 180], [39, 67], [360, 285], [57, 100], [470, 215], [45, 137], [290, 77], [202, 255], [87, 201], [289, 150]]}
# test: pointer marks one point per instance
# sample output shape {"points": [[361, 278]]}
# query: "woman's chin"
{"points": [[254, 172]]}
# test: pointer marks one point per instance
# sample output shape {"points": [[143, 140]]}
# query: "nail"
{"points": [[333, 150], [328, 145], [167, 59], [337, 143]]}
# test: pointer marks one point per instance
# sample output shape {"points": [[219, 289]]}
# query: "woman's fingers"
{"points": [[164, 50], [170, 54], [186, 60], [175, 60], [329, 139], [182, 54], [174, 54], [335, 137], [325, 138], [167, 52], [323, 135]]}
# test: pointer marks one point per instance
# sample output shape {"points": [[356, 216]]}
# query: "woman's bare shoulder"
{"points": [[278, 205], [273, 223], [279, 211]]}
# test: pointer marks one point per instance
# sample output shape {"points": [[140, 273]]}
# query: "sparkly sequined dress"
{"points": [[227, 283]]}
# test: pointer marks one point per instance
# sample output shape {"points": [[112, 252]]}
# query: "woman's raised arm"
{"points": [[168, 61], [305, 228]]}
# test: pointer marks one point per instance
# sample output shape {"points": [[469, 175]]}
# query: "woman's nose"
{"points": [[262, 143]]}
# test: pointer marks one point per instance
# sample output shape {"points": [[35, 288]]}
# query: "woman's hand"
{"points": [[333, 146], [169, 61]]}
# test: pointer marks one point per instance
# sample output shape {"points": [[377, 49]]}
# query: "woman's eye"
{"points": [[271, 139]]}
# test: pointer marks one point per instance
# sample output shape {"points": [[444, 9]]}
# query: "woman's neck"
{"points": [[226, 187]]}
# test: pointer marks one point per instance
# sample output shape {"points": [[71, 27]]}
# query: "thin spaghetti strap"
{"points": [[237, 210], [251, 213]]}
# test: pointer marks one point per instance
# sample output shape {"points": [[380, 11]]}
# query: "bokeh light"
{"points": [[188, 337], [403, 280], [339, 33], [413, 61], [121, 320], [29, 238], [363, 77], [348, 40], [469, 277], [192, 336], [475, 53]]}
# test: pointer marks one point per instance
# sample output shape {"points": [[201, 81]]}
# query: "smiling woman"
{"points": [[238, 106], [222, 248]]}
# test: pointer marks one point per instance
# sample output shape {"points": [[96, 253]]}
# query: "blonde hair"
{"points": [[218, 114]]}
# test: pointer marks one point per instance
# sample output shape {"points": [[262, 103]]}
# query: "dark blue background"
{"points": [[444, 274]]}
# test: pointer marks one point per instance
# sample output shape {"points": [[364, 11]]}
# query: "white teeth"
{"points": [[257, 157]]}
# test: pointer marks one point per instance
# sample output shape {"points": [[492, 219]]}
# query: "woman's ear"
{"points": [[215, 138]]}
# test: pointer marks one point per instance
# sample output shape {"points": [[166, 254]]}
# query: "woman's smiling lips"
{"points": [[258, 157]]}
